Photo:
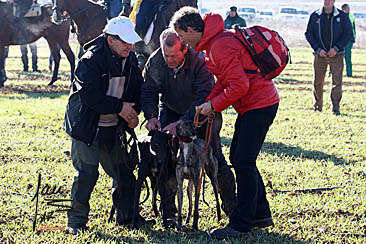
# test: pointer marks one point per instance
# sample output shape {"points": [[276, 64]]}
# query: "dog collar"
{"points": [[185, 139]]}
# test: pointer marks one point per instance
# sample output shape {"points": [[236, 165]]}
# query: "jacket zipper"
{"points": [[331, 32], [320, 34]]}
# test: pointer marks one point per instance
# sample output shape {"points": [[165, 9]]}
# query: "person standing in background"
{"points": [[348, 48], [234, 19], [24, 51], [328, 32]]}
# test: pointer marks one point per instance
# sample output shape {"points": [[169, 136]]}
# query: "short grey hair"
{"points": [[169, 38]]}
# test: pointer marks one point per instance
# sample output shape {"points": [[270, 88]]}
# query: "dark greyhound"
{"points": [[156, 162], [189, 166]]}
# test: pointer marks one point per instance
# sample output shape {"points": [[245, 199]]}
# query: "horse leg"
{"points": [[3, 77], [56, 58], [70, 57]]}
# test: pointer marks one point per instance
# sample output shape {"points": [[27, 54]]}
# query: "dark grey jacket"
{"points": [[180, 92]]}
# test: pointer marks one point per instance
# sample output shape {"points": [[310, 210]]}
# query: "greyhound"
{"points": [[155, 162], [189, 166]]}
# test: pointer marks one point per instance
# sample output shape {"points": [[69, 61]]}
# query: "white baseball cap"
{"points": [[123, 27]]}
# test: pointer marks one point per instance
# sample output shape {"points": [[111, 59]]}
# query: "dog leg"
{"points": [[164, 204], [136, 209], [189, 194], [153, 197], [179, 175], [211, 170], [196, 200], [215, 189]]}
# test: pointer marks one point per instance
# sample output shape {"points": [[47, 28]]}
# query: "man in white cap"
{"points": [[103, 104]]}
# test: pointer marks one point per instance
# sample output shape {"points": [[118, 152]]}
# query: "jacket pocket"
{"points": [[80, 122]]}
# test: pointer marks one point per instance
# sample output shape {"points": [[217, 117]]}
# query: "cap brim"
{"points": [[131, 37]]}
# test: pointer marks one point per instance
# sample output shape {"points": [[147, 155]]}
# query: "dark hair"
{"points": [[115, 37], [187, 17], [169, 38], [345, 6], [107, 34], [233, 8]]}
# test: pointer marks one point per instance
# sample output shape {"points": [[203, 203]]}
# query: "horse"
{"points": [[90, 19], [25, 30]]}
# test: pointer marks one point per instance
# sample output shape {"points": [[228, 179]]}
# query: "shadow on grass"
{"points": [[42, 75], [288, 80], [279, 149], [33, 91], [191, 236]]}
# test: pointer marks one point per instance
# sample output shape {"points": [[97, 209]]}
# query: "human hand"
{"points": [[133, 122], [127, 112], [171, 128], [153, 124], [205, 108], [323, 53], [332, 52]]}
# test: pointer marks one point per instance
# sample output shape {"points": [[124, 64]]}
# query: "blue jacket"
{"points": [[341, 31]]}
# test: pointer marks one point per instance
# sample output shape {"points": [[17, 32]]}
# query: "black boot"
{"points": [[25, 63], [3, 77], [226, 181], [35, 66]]}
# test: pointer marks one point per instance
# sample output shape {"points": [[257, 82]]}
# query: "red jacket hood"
{"points": [[214, 24]]}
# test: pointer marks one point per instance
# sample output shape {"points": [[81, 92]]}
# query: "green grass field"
{"points": [[303, 149]]}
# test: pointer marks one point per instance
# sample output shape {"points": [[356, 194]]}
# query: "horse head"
{"points": [[182, 3], [59, 11]]}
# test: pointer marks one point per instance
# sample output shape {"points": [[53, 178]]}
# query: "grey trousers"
{"points": [[24, 51], [116, 163]]}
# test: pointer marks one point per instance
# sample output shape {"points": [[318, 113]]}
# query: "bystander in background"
{"points": [[234, 19], [348, 48], [24, 51]]}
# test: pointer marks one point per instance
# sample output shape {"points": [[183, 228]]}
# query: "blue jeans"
{"points": [[250, 131]]}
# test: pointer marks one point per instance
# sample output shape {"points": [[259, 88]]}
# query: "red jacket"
{"points": [[227, 59]]}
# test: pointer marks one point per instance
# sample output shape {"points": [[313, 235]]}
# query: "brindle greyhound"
{"points": [[189, 166]]}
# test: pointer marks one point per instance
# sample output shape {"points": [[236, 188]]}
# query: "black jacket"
{"points": [[88, 97], [180, 92]]}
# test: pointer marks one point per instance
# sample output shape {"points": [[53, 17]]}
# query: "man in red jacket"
{"points": [[254, 98]]}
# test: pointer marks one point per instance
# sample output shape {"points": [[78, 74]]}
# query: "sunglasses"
{"points": [[119, 39]]}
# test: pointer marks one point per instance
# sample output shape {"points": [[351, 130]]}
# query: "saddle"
{"points": [[34, 11], [22, 10]]}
